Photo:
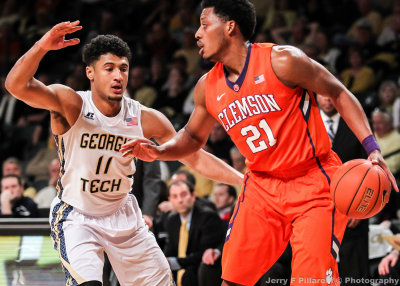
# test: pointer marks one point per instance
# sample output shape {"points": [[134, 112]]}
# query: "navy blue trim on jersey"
{"points": [[228, 233], [61, 159], [57, 234], [305, 107], [334, 239], [235, 86]]}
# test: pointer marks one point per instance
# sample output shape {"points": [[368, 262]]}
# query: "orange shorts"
{"points": [[271, 211]]}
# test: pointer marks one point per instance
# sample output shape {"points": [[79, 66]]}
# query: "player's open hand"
{"points": [[376, 158], [141, 148], [55, 38]]}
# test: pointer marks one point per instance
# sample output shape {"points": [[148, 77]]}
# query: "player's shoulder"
{"points": [[286, 52]]}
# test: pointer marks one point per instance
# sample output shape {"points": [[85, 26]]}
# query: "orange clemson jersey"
{"points": [[275, 127]]}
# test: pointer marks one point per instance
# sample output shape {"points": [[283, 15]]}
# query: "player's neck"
{"points": [[108, 107], [234, 60]]}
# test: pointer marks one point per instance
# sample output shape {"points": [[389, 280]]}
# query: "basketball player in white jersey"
{"points": [[93, 212]]}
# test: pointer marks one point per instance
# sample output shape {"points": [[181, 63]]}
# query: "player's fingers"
{"points": [[73, 29], [71, 42]]}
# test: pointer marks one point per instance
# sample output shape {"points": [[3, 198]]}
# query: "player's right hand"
{"points": [[377, 158], [142, 149], [55, 38]]}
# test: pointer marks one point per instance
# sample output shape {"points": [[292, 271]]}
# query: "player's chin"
{"points": [[115, 97]]}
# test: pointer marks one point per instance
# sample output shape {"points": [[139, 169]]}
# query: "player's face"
{"points": [[181, 199], [221, 197], [109, 76], [210, 35]]}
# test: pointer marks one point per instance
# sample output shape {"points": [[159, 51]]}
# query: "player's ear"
{"points": [[89, 72], [230, 25]]}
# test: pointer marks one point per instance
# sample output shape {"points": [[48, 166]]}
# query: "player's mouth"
{"points": [[117, 88], [201, 46]]}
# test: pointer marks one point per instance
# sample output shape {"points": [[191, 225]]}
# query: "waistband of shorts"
{"points": [[297, 171], [122, 204]]}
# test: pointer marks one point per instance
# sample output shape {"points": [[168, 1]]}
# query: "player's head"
{"points": [[107, 66], [220, 22], [182, 197], [224, 196]]}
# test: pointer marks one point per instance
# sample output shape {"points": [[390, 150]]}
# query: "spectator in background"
{"points": [[182, 20], [389, 267], [365, 8], [159, 42], [147, 187], [224, 199], [389, 98], [12, 166], [220, 143], [191, 230], [37, 168], [190, 51], [158, 73], [210, 269], [170, 100], [389, 141], [12, 201], [238, 160], [358, 78], [138, 89], [46, 195]]}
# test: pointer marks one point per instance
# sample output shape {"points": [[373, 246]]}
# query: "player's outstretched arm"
{"points": [[20, 81], [155, 125], [188, 140], [294, 68]]}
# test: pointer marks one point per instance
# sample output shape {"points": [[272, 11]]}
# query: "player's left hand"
{"points": [[376, 158], [141, 148]]}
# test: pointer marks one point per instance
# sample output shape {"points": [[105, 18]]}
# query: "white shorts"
{"points": [[81, 241]]}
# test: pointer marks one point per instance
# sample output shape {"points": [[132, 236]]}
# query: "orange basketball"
{"points": [[360, 189]]}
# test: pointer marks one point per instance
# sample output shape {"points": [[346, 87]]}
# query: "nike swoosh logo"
{"points": [[219, 97]]}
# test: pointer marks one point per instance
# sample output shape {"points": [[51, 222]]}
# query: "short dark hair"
{"points": [[19, 179], [241, 11], [189, 176], [104, 44], [180, 182], [231, 190]]}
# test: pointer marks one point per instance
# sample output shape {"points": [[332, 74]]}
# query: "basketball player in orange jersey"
{"points": [[263, 95]]}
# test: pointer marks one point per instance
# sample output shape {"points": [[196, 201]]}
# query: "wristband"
{"points": [[370, 144]]}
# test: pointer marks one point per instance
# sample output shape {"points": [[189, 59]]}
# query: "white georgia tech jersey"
{"points": [[94, 177]]}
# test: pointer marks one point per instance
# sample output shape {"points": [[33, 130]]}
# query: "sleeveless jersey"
{"points": [[275, 127], [94, 177]]}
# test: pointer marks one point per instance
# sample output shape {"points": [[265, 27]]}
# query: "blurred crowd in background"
{"points": [[357, 40]]}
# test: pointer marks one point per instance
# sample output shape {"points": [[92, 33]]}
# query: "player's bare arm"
{"points": [[20, 81], [188, 140], [316, 78], [155, 125]]}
